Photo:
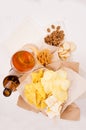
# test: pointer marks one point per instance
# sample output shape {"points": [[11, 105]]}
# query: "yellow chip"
{"points": [[60, 94], [29, 92], [36, 76], [43, 105], [40, 89]]}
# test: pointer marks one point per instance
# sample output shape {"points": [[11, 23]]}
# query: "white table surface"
{"points": [[44, 12]]}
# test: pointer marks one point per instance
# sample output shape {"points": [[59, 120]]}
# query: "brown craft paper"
{"points": [[23, 104], [57, 65], [72, 112]]}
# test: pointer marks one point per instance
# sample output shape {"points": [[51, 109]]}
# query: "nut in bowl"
{"points": [[56, 37]]}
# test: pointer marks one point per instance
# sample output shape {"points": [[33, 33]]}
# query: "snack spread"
{"points": [[43, 80]]}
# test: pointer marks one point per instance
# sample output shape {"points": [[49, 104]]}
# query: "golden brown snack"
{"points": [[44, 57]]}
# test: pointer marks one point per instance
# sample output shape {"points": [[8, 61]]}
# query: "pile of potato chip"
{"points": [[48, 90]]}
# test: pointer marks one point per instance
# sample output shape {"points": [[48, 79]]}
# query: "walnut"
{"points": [[56, 37]]}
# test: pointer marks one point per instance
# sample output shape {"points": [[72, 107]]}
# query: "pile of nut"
{"points": [[56, 37]]}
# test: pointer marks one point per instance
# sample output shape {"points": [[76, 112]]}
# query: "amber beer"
{"points": [[23, 61]]}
